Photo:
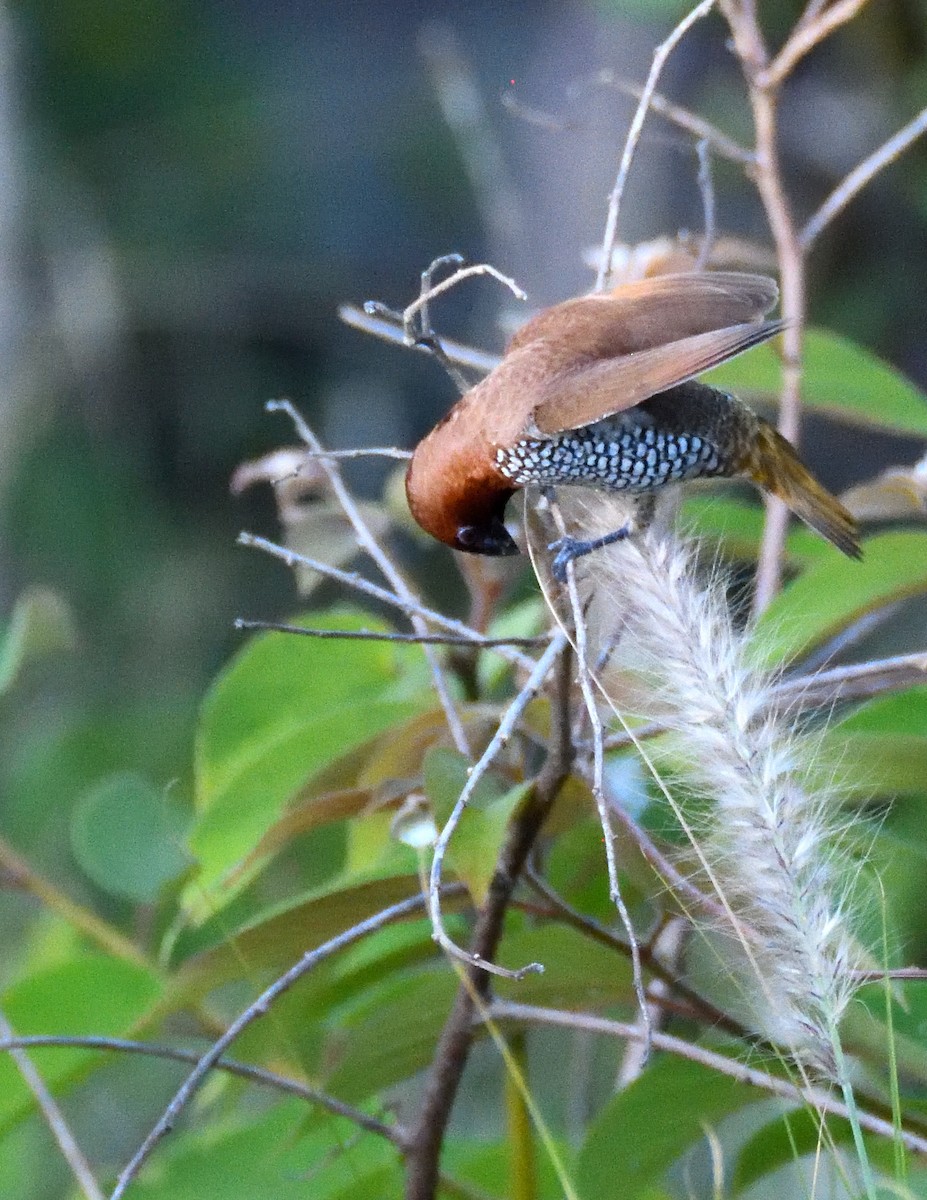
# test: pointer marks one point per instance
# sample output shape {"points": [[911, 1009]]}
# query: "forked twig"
{"points": [[372, 635], [410, 312], [820, 1099], [367, 542], [661, 54], [503, 732], [813, 27], [353, 580], [689, 121], [258, 1008], [388, 327]]}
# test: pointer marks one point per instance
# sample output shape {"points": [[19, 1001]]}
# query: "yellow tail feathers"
{"points": [[775, 466]]}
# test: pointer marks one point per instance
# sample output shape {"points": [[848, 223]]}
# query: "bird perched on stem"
{"points": [[600, 392]]}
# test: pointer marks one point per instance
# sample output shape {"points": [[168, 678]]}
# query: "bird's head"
{"points": [[459, 497]]}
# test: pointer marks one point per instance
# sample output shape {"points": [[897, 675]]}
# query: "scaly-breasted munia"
{"points": [[599, 392]]}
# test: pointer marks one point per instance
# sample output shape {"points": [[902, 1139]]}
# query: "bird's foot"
{"points": [[568, 549]]}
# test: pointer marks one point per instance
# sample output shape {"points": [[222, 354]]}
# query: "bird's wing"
{"points": [[591, 391], [649, 313]]}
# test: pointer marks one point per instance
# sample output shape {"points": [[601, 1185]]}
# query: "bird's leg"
{"points": [[569, 549]]}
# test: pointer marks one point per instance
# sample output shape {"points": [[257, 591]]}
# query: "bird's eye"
{"points": [[469, 537]]}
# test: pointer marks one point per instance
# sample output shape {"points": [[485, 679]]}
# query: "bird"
{"points": [[599, 391]]}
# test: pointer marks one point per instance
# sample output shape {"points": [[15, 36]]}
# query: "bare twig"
{"points": [[60, 1131], [808, 32], [661, 54], [362, 452], [426, 639], [280, 1083], [707, 192], [457, 1036], [390, 331], [259, 1008], [506, 728], [691, 122], [353, 580], [412, 310], [751, 50], [598, 791], [694, 1006], [857, 681], [368, 543], [857, 179], [820, 1099]]}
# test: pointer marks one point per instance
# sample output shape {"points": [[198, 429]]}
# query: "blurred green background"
{"points": [[188, 191]]}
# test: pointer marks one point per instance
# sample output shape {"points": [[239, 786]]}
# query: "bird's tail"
{"points": [[775, 466]]}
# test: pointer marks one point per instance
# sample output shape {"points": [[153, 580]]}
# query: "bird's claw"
{"points": [[567, 549]]}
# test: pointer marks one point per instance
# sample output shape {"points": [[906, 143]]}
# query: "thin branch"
{"points": [[410, 312], [857, 681], [368, 543], [453, 1048], [257, 1009], [98, 931], [270, 1079], [689, 121], [695, 1005], [751, 50], [676, 882], [504, 731], [807, 33], [707, 192], [821, 1100], [389, 331], [857, 179], [362, 452], [598, 762], [353, 580], [70, 1151], [661, 54], [426, 639]]}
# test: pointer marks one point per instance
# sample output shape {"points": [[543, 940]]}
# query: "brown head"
{"points": [[455, 491]]}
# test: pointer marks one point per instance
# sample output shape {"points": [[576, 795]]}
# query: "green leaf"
{"points": [[875, 764], [128, 837], [273, 1156], [92, 995], [779, 1141], [479, 836], [839, 378], [277, 938], [392, 1035], [738, 526], [389, 1033], [651, 1124], [904, 712], [283, 709], [41, 624], [837, 591]]}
